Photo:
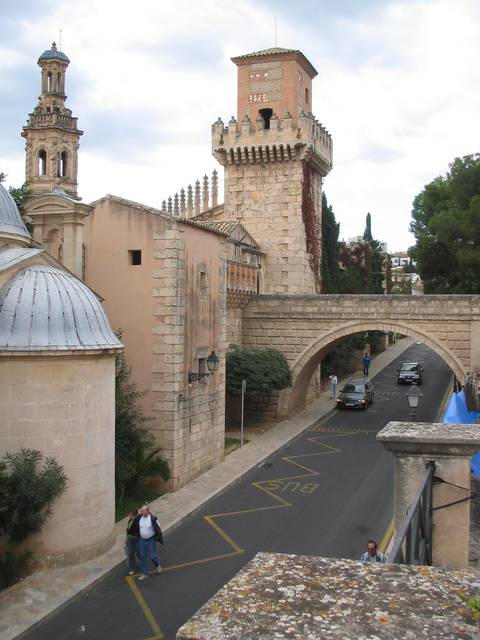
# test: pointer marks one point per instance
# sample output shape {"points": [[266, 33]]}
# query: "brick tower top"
{"points": [[272, 81]]}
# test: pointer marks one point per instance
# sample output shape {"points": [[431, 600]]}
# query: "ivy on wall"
{"points": [[312, 226]]}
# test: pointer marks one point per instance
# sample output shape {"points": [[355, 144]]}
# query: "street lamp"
{"points": [[414, 396], [212, 365]]}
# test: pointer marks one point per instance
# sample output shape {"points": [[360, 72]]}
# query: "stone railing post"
{"points": [[450, 447]]}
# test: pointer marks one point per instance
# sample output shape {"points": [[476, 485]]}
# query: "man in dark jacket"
{"points": [[150, 534]]}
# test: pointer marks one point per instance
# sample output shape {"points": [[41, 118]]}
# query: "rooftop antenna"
{"points": [[60, 40], [275, 28]]}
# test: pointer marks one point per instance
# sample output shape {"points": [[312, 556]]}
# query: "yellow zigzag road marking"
{"points": [[236, 549]]}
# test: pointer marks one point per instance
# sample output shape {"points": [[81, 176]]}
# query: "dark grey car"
{"points": [[410, 372], [356, 394]]}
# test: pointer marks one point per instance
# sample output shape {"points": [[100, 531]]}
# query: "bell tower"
{"points": [[51, 133], [275, 155], [56, 213]]}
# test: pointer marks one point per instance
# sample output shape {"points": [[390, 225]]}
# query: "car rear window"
{"points": [[354, 388]]}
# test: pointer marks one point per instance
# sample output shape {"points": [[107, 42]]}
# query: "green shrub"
{"points": [[264, 370], [27, 493], [136, 456]]}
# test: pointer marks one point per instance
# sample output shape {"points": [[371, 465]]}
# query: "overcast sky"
{"points": [[398, 87]]}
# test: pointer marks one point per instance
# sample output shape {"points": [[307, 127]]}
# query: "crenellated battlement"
{"points": [[286, 139]]}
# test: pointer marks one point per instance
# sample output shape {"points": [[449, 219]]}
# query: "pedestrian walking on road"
{"points": [[366, 363], [150, 534], [333, 380], [372, 554], [131, 542]]}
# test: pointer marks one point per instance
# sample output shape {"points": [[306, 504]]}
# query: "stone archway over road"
{"points": [[305, 328]]}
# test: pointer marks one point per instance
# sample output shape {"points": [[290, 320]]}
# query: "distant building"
{"points": [[399, 259]]}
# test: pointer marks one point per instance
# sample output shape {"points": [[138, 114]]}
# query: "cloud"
{"points": [[397, 87]]}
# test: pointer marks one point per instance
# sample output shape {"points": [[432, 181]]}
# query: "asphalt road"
{"points": [[326, 493]]}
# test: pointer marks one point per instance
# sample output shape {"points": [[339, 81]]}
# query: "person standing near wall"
{"points": [[366, 360], [131, 542], [333, 380], [150, 534]]}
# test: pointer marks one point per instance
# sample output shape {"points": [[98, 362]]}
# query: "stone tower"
{"points": [[275, 156], [56, 212], [51, 133]]}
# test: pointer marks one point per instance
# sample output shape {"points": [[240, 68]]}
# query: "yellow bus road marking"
{"points": [[386, 538], [147, 612], [236, 550]]}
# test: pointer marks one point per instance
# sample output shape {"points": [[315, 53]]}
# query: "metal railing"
{"points": [[413, 545]]}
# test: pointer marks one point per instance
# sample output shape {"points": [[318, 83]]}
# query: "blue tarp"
{"points": [[457, 413]]}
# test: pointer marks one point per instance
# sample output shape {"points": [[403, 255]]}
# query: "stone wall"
{"points": [[172, 311], [64, 407], [267, 200]]}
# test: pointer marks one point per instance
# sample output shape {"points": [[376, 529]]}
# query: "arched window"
{"points": [[49, 82], [62, 164], [307, 97], [59, 82], [42, 162]]}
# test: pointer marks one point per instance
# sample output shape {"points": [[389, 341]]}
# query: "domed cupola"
{"points": [[54, 54], [45, 309], [12, 227]]}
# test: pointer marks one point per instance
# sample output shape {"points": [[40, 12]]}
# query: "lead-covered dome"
{"points": [[45, 309], [11, 222]]}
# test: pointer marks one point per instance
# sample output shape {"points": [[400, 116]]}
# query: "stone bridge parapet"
{"points": [[306, 327]]}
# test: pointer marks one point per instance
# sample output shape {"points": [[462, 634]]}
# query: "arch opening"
{"points": [[307, 362], [62, 165], [42, 162]]}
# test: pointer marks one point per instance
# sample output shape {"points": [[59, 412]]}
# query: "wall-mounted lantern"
{"points": [[212, 365]]}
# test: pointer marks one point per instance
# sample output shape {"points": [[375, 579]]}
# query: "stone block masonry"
{"points": [[273, 186]]}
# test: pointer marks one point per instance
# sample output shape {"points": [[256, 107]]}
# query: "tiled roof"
{"points": [[43, 309], [267, 52], [225, 226], [278, 51], [54, 54], [10, 218], [143, 207]]}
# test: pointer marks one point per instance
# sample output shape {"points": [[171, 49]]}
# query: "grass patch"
{"points": [[232, 444], [134, 501]]}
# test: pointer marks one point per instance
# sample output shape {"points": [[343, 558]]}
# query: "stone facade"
{"points": [[165, 284], [305, 328]]}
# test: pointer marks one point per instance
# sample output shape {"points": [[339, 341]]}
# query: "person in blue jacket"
{"points": [[366, 363]]}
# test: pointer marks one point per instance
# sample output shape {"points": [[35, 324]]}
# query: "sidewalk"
{"points": [[42, 593]]}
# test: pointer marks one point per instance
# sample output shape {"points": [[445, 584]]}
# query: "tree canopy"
{"points": [[330, 249], [367, 234], [446, 226]]}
